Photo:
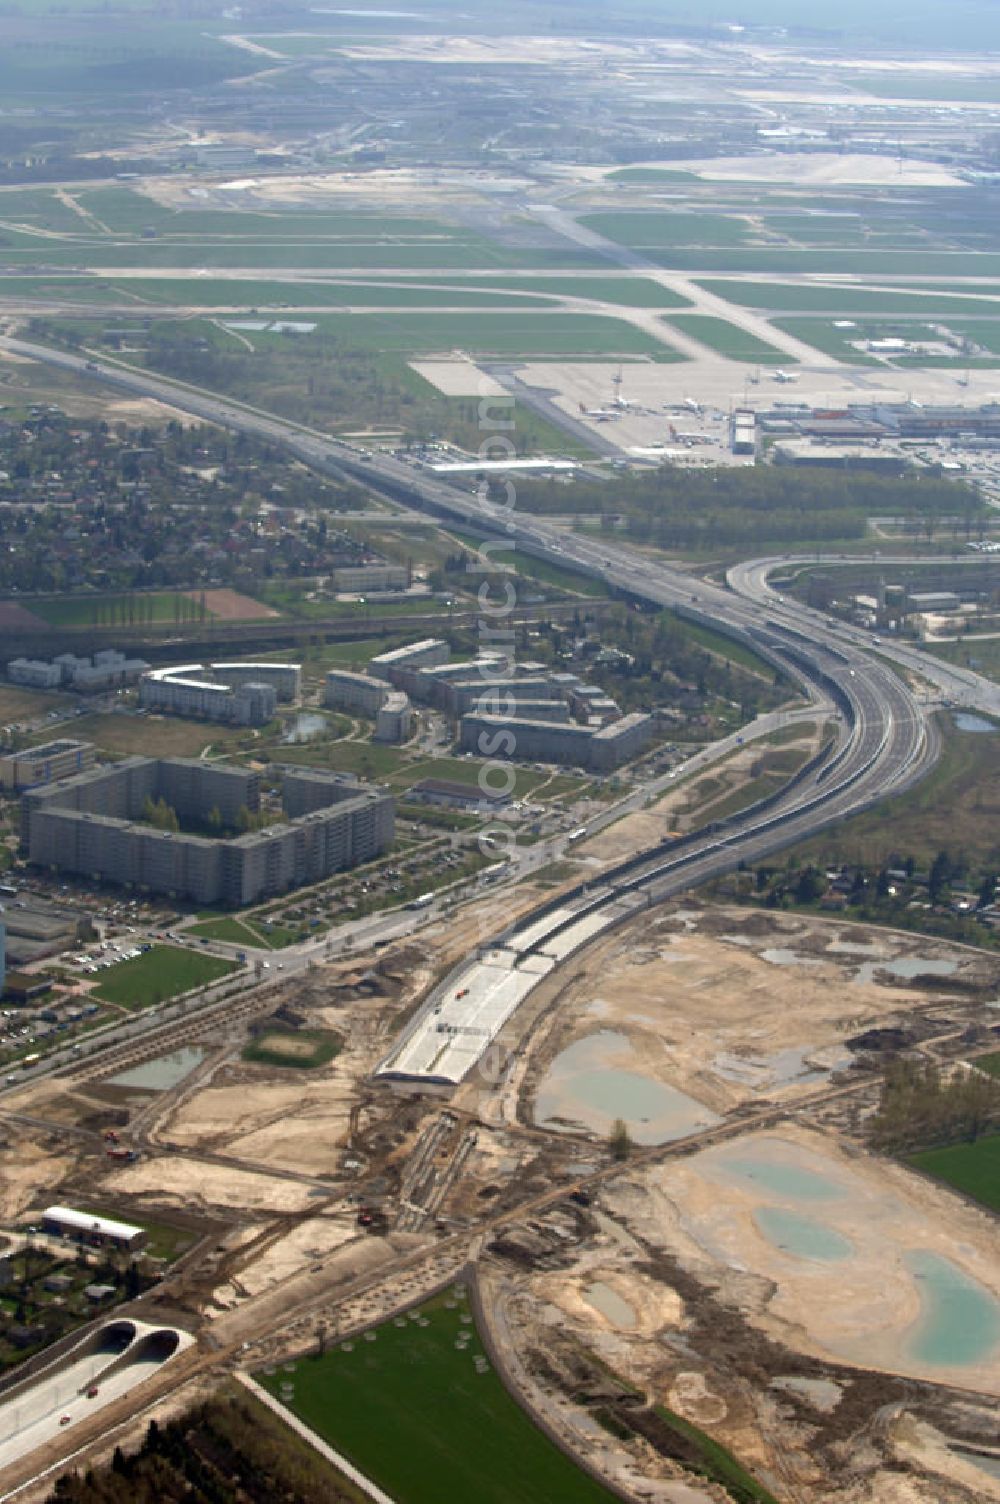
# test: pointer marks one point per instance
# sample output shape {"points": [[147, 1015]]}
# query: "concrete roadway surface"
{"points": [[34, 1414]]}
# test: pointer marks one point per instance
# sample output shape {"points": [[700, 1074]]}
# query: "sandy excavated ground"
{"points": [[820, 168], [311, 1241], [712, 1016], [861, 1307], [24, 1168], [198, 1186], [295, 1125]]}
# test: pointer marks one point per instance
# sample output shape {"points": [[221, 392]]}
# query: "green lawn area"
{"points": [[729, 340], [299, 1049], [989, 1063], [972, 1168], [247, 932], [456, 1434], [159, 974]]}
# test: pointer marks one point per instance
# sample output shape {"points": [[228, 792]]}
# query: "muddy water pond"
{"points": [[610, 1304], [162, 1073], [583, 1089], [906, 968]]}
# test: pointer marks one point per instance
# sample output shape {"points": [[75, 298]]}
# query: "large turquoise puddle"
{"points": [[780, 1178], [802, 1236], [960, 1320]]}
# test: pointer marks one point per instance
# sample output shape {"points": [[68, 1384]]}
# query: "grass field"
{"points": [[275, 294], [807, 297], [536, 569], [163, 972], [303, 1049], [142, 607], [538, 333], [728, 339], [989, 1063], [456, 1434], [16, 704], [823, 335], [150, 735], [955, 808], [653, 230], [972, 1168], [630, 292]]}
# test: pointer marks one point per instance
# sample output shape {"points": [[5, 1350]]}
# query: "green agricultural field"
{"points": [[300, 1049], [971, 1168], [456, 1434], [158, 974], [728, 339], [989, 1063]]}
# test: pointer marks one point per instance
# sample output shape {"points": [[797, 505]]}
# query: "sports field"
{"points": [[457, 1435], [302, 1049]]}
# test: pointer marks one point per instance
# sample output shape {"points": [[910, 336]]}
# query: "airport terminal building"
{"points": [[91, 825]]}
